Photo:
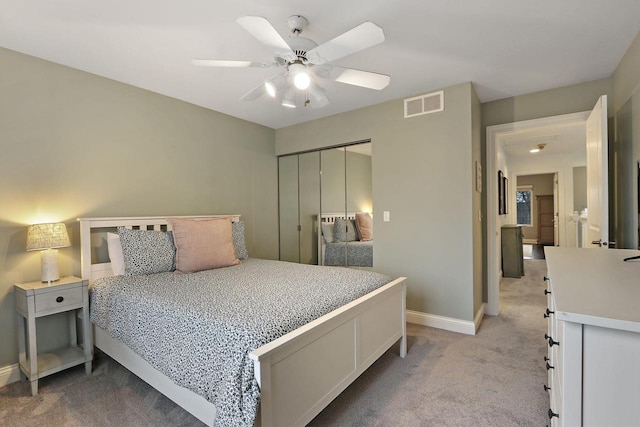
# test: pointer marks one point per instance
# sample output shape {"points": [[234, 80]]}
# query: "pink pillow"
{"points": [[364, 224], [203, 244]]}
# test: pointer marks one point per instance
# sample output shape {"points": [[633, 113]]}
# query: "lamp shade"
{"points": [[47, 236]]}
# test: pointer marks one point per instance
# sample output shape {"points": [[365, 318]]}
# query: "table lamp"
{"points": [[48, 237]]}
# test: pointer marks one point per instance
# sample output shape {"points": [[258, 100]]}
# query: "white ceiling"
{"points": [[504, 47], [566, 140]]}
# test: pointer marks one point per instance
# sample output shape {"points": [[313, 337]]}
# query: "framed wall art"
{"points": [[501, 193]]}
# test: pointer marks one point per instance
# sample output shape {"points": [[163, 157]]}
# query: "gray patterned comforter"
{"points": [[199, 328], [358, 253]]}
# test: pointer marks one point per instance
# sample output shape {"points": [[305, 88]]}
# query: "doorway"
{"points": [[497, 160]]}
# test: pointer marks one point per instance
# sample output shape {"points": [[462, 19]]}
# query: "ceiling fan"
{"points": [[304, 61]]}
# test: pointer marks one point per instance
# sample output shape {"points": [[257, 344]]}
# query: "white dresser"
{"points": [[593, 337]]}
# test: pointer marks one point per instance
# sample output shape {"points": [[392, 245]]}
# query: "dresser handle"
{"points": [[553, 414], [546, 278], [546, 359], [59, 299], [551, 341], [549, 312], [546, 292], [546, 388], [549, 366]]}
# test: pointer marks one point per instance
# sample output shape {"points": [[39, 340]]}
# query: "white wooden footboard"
{"points": [[302, 372]]}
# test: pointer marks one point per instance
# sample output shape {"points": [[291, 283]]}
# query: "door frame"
{"points": [[492, 248]]}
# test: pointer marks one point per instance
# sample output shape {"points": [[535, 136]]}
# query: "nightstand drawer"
{"points": [[62, 299]]}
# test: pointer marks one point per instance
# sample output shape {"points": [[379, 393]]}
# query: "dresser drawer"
{"points": [[61, 299]]}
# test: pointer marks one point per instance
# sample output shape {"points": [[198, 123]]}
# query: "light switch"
{"points": [[385, 216]]}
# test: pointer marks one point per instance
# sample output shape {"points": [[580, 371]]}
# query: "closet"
{"points": [[322, 186]]}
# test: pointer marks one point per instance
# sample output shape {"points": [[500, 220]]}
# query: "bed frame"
{"points": [[328, 218], [299, 373]]}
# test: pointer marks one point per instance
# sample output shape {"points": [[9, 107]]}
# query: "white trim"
{"points": [[493, 132], [442, 322], [9, 374]]}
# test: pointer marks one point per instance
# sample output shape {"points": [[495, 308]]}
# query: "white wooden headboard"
{"points": [[332, 216], [93, 271]]}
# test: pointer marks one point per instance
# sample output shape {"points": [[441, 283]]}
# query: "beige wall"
{"points": [[74, 144], [579, 188], [479, 295], [552, 102], [424, 175]]}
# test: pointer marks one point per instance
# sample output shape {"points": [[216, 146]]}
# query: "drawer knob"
{"points": [[59, 299], [549, 312], [547, 292], [546, 388], [553, 414], [546, 359], [549, 366], [546, 278], [551, 341]]}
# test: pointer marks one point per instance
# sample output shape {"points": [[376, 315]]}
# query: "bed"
{"points": [[299, 373], [348, 251]]}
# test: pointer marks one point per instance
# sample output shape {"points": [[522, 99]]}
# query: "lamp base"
{"points": [[49, 264]]}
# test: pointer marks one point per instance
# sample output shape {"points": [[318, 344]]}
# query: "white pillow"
{"points": [[115, 254]]}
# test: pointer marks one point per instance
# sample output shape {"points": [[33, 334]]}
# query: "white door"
{"points": [[556, 216], [597, 176]]}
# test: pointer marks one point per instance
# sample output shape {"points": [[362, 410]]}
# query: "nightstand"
{"points": [[38, 299]]}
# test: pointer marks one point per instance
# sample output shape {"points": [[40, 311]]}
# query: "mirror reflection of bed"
{"points": [[319, 187], [345, 239]]}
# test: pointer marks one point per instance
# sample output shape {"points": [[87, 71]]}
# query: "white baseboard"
{"points": [[9, 374], [447, 323]]}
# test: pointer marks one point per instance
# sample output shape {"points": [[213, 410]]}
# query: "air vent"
{"points": [[424, 104]]}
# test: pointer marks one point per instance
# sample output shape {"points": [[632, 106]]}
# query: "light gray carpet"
{"points": [[492, 379]]}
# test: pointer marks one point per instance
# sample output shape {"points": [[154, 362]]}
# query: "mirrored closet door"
{"points": [[299, 192], [324, 196]]}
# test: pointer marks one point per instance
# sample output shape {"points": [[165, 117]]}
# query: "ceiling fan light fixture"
{"points": [[289, 100], [301, 79], [538, 149]]}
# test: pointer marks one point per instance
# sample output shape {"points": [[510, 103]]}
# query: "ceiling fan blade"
{"points": [[232, 63], [262, 30], [360, 78], [318, 96], [361, 37], [254, 93]]}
